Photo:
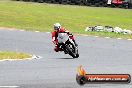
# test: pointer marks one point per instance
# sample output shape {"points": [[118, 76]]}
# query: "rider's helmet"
{"points": [[57, 26]]}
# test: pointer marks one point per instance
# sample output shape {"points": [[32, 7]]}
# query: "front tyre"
{"points": [[70, 52], [77, 55]]}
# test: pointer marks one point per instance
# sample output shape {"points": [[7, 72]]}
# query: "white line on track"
{"points": [[22, 30], [96, 36], [119, 38], [37, 31], [84, 35], [107, 37], [9, 86], [47, 32], [129, 39], [36, 57], [11, 29]]}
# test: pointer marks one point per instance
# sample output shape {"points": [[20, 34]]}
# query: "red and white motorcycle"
{"points": [[67, 45]]}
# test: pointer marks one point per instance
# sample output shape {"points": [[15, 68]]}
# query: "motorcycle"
{"points": [[67, 45]]}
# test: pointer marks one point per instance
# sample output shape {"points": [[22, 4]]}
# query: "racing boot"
{"points": [[57, 49]]}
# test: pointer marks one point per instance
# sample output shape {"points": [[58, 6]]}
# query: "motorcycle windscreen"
{"points": [[62, 37]]}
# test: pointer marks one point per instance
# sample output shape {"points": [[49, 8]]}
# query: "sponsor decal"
{"points": [[83, 78]]}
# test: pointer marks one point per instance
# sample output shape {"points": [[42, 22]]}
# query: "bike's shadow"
{"points": [[65, 58]]}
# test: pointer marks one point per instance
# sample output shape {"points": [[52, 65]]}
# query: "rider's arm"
{"points": [[53, 38], [70, 34], [66, 31]]}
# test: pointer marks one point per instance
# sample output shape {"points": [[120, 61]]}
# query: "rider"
{"points": [[59, 29]]}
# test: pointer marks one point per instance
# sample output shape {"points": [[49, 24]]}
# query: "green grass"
{"points": [[13, 55], [41, 17]]}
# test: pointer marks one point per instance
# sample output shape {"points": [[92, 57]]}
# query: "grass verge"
{"points": [[13, 56], [42, 16]]}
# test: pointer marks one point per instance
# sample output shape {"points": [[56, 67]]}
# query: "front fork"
{"points": [[74, 46]]}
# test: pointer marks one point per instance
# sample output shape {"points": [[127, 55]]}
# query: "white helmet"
{"points": [[57, 26]]}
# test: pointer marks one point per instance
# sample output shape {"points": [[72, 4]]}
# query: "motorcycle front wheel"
{"points": [[71, 53]]}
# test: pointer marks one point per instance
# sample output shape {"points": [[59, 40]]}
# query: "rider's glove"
{"points": [[70, 34]]}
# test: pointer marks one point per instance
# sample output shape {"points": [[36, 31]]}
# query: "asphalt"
{"points": [[57, 70]]}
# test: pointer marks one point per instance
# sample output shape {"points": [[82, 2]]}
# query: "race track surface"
{"points": [[57, 70]]}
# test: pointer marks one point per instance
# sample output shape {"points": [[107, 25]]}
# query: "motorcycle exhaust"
{"points": [[83, 78]]}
